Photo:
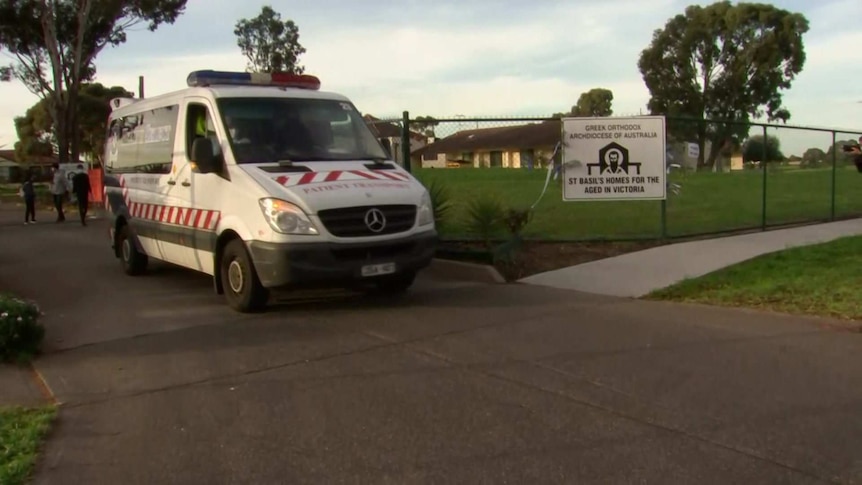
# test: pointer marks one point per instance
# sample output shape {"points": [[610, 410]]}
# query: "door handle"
{"points": [[186, 183], [172, 182]]}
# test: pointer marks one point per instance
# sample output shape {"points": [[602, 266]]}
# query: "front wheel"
{"points": [[242, 288], [134, 262]]}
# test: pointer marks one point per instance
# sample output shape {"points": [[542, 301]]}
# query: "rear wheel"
{"points": [[242, 288], [134, 262]]}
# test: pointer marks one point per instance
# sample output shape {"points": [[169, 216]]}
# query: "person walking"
{"points": [[59, 187], [28, 192], [81, 188]]}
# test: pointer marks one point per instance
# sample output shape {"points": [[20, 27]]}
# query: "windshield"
{"points": [[267, 130]]}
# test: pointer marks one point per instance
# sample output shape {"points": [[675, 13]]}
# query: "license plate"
{"points": [[378, 269]]}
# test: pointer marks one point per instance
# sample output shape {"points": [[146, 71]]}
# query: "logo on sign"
{"points": [[614, 159], [375, 220]]}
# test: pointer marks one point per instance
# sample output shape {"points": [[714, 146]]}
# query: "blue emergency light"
{"points": [[280, 79]]}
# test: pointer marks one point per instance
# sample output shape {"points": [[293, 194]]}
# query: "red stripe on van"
{"points": [[364, 174], [307, 178]]}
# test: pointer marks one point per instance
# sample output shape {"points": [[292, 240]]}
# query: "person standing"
{"points": [[59, 187], [855, 151], [81, 188], [28, 192]]}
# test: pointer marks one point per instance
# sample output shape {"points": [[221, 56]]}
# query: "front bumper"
{"points": [[337, 264]]}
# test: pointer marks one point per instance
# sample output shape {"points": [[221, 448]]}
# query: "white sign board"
{"points": [[614, 158], [693, 150]]}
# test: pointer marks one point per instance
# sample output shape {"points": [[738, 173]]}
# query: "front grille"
{"points": [[350, 221]]}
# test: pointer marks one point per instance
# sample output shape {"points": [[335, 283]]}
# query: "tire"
{"points": [[133, 261], [242, 288], [395, 284]]}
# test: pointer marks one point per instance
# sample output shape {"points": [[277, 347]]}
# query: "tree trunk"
{"points": [[78, 69], [73, 129], [714, 151], [57, 104], [701, 142]]}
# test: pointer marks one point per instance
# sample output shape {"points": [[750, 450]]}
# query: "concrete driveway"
{"points": [[453, 383]]}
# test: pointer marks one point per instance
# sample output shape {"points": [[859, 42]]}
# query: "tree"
{"points": [[752, 150], [723, 62], [424, 125], [269, 44], [35, 137], [813, 157], [837, 150], [35, 129], [595, 102], [55, 43]]}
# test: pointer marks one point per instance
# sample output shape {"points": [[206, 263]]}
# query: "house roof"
{"points": [[8, 155], [38, 160], [385, 129], [532, 135]]}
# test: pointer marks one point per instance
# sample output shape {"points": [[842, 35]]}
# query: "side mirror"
{"points": [[202, 155]]}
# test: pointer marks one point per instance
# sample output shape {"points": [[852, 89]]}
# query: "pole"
{"points": [[763, 166], [834, 170], [664, 219], [141, 87], [405, 141]]}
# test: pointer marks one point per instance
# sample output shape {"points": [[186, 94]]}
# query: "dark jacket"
{"points": [[28, 190], [81, 184]]}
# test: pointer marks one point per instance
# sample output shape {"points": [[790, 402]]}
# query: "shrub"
{"points": [[485, 216], [440, 200], [515, 220], [507, 255], [21, 333]]}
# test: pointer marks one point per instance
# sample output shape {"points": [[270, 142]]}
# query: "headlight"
{"points": [[426, 211], [286, 218]]}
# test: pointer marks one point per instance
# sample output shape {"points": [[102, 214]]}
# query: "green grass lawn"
{"points": [[823, 279], [21, 434], [709, 202]]}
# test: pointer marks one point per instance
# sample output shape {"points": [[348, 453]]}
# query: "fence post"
{"points": [[664, 219], [834, 169], [405, 141], [763, 163]]}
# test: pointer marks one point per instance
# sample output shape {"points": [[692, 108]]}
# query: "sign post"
{"points": [[614, 158]]}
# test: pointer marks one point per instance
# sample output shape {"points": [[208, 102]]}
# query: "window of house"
{"points": [[528, 158]]}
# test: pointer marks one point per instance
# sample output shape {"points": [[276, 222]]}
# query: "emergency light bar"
{"points": [[281, 79]]}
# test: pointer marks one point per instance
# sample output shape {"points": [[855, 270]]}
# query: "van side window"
{"points": [[142, 143], [112, 140], [199, 124], [156, 140]]}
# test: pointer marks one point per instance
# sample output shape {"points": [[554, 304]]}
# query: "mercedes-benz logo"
{"points": [[375, 220]]}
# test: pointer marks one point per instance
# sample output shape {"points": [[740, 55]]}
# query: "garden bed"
{"points": [[538, 257]]}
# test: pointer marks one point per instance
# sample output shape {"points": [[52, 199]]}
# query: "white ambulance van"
{"points": [[262, 181]]}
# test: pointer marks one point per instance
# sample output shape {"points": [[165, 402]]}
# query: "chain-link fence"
{"points": [[723, 177]]}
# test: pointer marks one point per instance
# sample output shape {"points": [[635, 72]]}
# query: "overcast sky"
{"points": [[476, 58]]}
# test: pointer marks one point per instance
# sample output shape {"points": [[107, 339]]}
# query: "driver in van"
{"points": [[204, 129]]}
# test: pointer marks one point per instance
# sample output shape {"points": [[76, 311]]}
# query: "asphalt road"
{"points": [[453, 383]]}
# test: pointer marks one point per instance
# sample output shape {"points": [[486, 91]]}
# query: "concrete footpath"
{"points": [[639, 273]]}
